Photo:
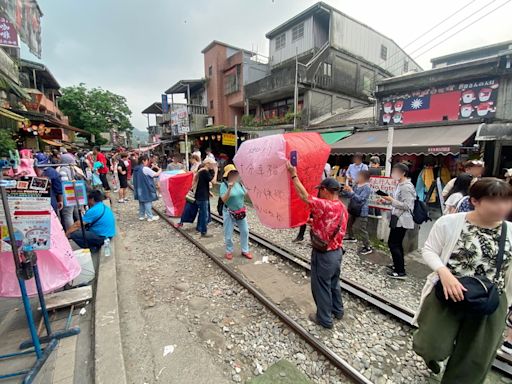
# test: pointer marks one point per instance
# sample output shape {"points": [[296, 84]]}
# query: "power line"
{"points": [[441, 22], [444, 32], [453, 26], [467, 26], [423, 34]]}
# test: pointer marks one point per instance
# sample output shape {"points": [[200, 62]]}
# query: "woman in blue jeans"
{"points": [[232, 193], [144, 188]]}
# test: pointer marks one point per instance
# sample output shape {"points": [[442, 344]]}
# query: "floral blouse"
{"points": [[476, 251]]}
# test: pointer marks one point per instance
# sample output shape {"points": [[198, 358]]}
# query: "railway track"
{"points": [[502, 363], [320, 347]]}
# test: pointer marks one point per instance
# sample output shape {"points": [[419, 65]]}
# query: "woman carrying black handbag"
{"points": [[465, 300]]}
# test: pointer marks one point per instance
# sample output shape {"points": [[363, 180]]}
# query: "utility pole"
{"points": [[389, 151], [186, 133], [295, 91], [236, 133]]}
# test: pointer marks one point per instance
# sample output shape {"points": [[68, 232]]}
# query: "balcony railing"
{"points": [[41, 103], [198, 116]]}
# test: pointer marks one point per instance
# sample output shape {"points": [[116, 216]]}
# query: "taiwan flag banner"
{"points": [[442, 106], [464, 101]]}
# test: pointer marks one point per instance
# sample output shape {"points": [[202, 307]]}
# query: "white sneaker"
{"points": [[120, 201], [142, 218], [154, 218]]}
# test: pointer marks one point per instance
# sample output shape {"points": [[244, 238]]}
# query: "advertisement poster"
{"points": [[74, 193], [461, 101], [30, 209], [384, 184], [8, 35]]}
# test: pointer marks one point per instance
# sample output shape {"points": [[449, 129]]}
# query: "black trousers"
{"points": [[104, 181], [395, 244], [302, 231]]}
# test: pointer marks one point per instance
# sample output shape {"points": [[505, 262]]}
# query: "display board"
{"points": [[385, 184], [30, 209]]}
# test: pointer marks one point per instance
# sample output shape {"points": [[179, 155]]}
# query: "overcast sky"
{"points": [[138, 48]]}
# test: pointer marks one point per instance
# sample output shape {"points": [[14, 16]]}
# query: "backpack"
{"points": [[420, 212], [220, 204], [354, 207]]}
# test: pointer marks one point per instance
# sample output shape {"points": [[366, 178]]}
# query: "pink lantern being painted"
{"points": [[262, 166], [57, 266], [174, 187]]}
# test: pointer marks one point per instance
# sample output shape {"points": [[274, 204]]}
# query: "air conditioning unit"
{"points": [[209, 121]]}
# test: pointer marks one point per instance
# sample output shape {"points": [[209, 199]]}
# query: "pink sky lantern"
{"points": [[174, 186], [262, 166], [57, 265]]}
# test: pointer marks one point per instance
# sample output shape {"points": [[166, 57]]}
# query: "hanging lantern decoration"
{"points": [[213, 137], [201, 138], [219, 137]]}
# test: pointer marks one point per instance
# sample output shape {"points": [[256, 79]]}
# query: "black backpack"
{"points": [[420, 213], [354, 207]]}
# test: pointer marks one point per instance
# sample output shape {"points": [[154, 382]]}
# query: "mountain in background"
{"points": [[140, 136]]}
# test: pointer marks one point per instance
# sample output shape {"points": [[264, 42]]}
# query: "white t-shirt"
{"points": [[327, 171], [198, 154], [148, 172], [452, 201]]}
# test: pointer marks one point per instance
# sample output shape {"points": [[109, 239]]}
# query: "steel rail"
{"points": [[330, 355], [503, 362]]}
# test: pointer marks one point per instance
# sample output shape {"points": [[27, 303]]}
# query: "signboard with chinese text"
{"points": [[165, 103], [30, 209], [8, 35], [384, 184], [474, 99], [26, 17], [229, 139]]}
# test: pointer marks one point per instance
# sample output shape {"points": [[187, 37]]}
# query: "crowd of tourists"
{"points": [[465, 301]]}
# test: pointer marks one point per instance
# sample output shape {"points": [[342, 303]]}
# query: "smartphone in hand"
{"points": [[381, 193], [294, 158]]}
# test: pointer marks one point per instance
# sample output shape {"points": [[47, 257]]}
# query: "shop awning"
{"points": [[53, 143], [12, 116], [439, 140], [493, 132], [333, 137]]}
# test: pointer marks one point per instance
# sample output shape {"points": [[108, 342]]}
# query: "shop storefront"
{"points": [[496, 141], [430, 152]]}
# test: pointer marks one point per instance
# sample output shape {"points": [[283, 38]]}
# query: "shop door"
{"points": [[506, 159]]}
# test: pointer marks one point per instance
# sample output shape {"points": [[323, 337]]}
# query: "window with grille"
{"points": [[280, 41], [298, 32], [383, 52], [211, 104], [210, 71]]}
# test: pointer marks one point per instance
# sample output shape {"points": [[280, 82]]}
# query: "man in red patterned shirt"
{"points": [[328, 221]]}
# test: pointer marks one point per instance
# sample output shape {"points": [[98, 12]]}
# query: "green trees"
{"points": [[95, 110]]}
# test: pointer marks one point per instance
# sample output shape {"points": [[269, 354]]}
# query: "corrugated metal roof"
{"points": [[345, 117]]}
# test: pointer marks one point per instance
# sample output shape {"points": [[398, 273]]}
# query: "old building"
{"points": [[339, 61], [444, 115], [227, 70]]}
